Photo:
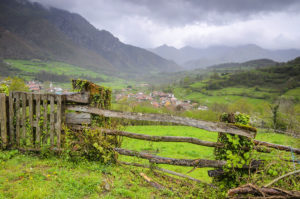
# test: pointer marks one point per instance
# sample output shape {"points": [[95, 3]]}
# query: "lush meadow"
{"points": [[44, 176]]}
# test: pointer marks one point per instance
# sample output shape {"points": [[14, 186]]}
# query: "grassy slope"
{"points": [[30, 68], [25, 176], [256, 87]]}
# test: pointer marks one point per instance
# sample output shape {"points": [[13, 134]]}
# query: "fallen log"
{"points": [[206, 125], [264, 192], [277, 146]]}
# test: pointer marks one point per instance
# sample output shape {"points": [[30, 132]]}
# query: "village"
{"points": [[158, 99], [38, 87]]}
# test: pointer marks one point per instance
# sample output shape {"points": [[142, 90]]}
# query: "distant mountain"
{"points": [[192, 58], [29, 30]]}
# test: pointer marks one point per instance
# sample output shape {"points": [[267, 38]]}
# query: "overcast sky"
{"points": [[273, 24]]}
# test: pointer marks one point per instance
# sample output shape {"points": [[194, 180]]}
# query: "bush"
{"points": [[91, 144]]}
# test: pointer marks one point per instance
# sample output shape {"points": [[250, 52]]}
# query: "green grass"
{"points": [[54, 67], [186, 150], [222, 96], [293, 93], [30, 176]]}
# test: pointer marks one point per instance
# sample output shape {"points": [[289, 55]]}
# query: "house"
{"points": [[203, 108], [34, 86]]}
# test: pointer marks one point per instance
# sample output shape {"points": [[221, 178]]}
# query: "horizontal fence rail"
{"points": [[152, 138], [206, 125], [277, 146], [199, 163]]}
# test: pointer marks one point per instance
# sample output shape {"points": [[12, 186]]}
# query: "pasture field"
{"points": [[187, 150], [223, 96], [31, 176], [31, 67], [53, 67]]}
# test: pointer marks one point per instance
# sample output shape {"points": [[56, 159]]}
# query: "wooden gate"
{"points": [[35, 119]]}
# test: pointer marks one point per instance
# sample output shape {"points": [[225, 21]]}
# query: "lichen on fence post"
{"points": [[99, 145], [236, 150], [100, 97]]}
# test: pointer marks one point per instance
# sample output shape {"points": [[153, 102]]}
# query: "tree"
{"points": [[16, 84]]}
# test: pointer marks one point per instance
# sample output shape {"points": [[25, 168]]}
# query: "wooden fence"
{"points": [[35, 120]]}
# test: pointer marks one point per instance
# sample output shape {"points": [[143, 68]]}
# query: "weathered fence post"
{"points": [[100, 97], [236, 150]]}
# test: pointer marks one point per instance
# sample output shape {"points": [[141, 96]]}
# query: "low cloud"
{"points": [[148, 23]]}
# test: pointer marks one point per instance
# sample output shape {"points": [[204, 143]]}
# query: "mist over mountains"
{"points": [[191, 58], [32, 31]]}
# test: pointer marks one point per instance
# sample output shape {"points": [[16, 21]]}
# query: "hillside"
{"points": [[28, 31], [191, 58], [259, 74], [249, 65]]}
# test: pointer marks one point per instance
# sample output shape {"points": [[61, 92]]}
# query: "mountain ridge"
{"points": [[54, 34], [192, 58]]}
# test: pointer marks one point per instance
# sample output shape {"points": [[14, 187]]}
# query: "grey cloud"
{"points": [[179, 12], [148, 23]]}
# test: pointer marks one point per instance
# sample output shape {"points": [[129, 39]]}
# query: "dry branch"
{"points": [[283, 176], [151, 182], [206, 125], [277, 146], [163, 170]]}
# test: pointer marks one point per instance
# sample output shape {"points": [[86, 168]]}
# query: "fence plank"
{"points": [[206, 125], [17, 96], [11, 119], [45, 115], [80, 98], [52, 120], [23, 117], [38, 117], [78, 118], [59, 120], [3, 120], [30, 103]]}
